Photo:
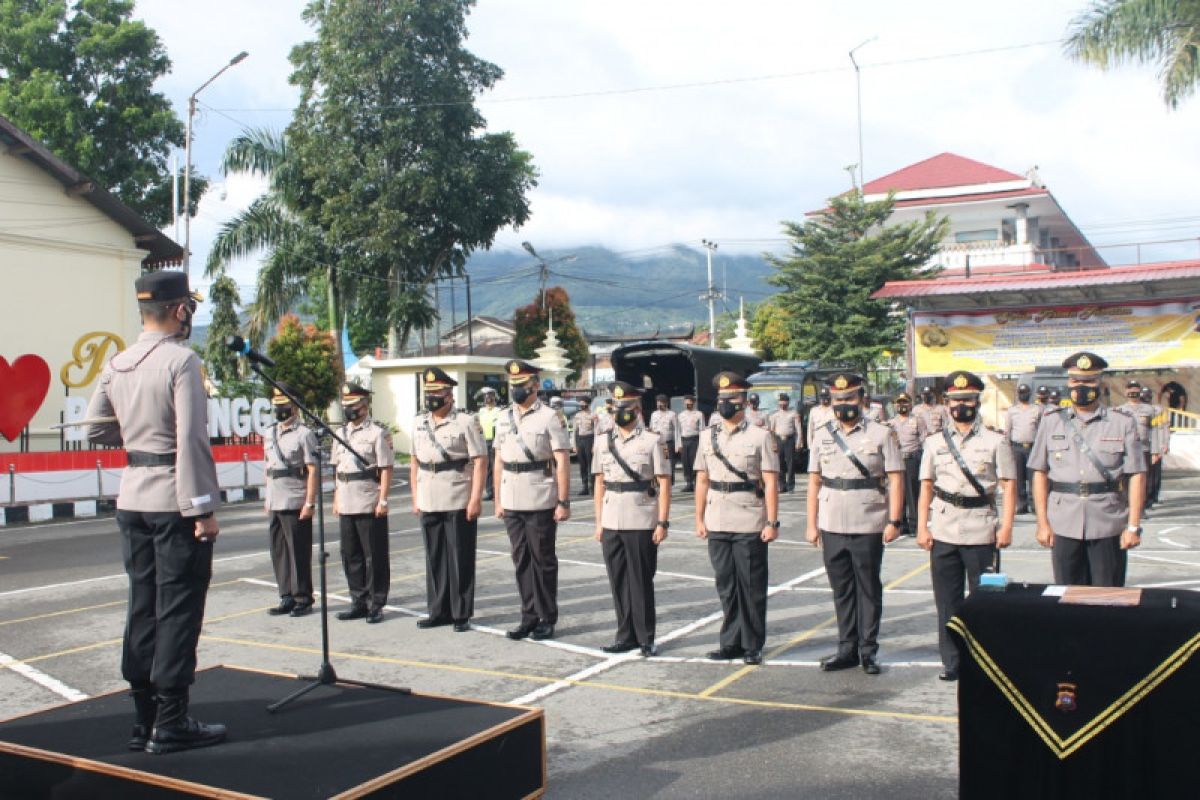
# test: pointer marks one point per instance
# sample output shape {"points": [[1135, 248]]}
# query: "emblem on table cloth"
{"points": [[1064, 698]]}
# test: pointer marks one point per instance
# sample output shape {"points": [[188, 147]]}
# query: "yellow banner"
{"points": [[1127, 335]]}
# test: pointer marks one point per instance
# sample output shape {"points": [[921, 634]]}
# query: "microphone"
{"points": [[240, 346]]}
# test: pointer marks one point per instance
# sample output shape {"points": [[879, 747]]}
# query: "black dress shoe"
{"points": [[752, 657], [285, 607], [522, 630], [725, 654], [139, 737], [620, 647], [649, 650], [186, 734], [544, 630], [839, 661], [374, 616], [948, 675], [302, 610], [432, 622], [870, 665], [462, 625], [355, 612]]}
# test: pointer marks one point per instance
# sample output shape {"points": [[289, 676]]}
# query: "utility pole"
{"points": [[544, 267], [711, 295], [858, 92]]}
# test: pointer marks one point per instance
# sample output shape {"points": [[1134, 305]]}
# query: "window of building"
{"points": [[982, 235]]}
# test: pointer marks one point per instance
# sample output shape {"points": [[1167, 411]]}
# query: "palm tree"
{"points": [[1112, 32], [294, 248]]}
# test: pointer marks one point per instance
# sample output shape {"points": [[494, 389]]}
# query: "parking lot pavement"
{"points": [[676, 725]]}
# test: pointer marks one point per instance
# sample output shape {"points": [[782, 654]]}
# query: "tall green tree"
{"points": [[532, 321], [837, 260], [1164, 33], [769, 328], [80, 77], [397, 170], [306, 359], [222, 363]]}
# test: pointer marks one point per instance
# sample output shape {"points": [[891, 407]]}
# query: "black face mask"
{"points": [[964, 413], [185, 329], [728, 409], [903, 409], [353, 412], [283, 413], [520, 394], [847, 412], [625, 417], [1023, 397], [1084, 395], [433, 402], [826, 401]]}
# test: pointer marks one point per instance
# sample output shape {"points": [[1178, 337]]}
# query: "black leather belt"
{"points": [[626, 486], [290, 472], [1026, 445], [365, 475], [1085, 489], [527, 466], [579, 436], [139, 459], [846, 484], [445, 466], [733, 486], [962, 500], [697, 436]]}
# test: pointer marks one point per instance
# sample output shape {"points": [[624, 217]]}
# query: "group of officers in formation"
{"points": [[935, 472]]}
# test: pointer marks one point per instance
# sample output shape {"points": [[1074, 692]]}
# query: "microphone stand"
{"points": [[326, 676]]}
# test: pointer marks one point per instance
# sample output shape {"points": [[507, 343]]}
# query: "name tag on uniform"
{"points": [[943, 450], [1111, 439], [1058, 436]]}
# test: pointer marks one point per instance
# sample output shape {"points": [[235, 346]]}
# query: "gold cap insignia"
{"points": [[724, 382], [618, 392], [1084, 362], [514, 369], [960, 382], [429, 376], [346, 389], [841, 382]]}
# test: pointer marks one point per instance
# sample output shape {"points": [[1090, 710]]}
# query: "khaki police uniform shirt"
{"points": [[666, 425], [691, 423], [643, 452], [373, 442], [753, 451], [156, 392], [583, 423], [756, 417], [1143, 416], [855, 510], [990, 460], [1113, 439], [543, 432], [910, 432], [935, 417], [784, 423], [604, 422], [291, 446], [1021, 423], [461, 437], [818, 415]]}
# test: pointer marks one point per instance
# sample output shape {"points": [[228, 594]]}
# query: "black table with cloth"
{"points": [[1135, 728]]}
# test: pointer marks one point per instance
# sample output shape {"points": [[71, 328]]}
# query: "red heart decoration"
{"points": [[23, 387]]}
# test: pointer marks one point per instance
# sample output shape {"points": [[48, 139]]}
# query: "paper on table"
{"points": [[1054, 591], [1101, 596]]}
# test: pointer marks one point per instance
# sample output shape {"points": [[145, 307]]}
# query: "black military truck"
{"points": [[676, 369]]}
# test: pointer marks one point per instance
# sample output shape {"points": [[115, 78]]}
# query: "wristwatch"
{"points": [[664, 523], [383, 501], [772, 523], [312, 506], [565, 504], [1134, 529], [899, 523]]}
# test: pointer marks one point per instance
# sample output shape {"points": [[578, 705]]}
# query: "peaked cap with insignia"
{"points": [[1084, 365], [164, 286], [844, 383], [963, 385], [352, 392], [624, 391], [521, 371], [436, 380], [278, 398], [729, 382]]}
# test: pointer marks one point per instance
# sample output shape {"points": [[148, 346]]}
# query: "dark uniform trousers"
{"points": [[531, 536], [583, 452], [672, 457], [912, 491], [291, 555], [165, 562], [1020, 453], [690, 445], [631, 559], [948, 563], [787, 462], [450, 563], [365, 559], [491, 469], [852, 562], [1089, 562], [740, 563], [1153, 480]]}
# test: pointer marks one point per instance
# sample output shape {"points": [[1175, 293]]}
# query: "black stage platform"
{"points": [[338, 741]]}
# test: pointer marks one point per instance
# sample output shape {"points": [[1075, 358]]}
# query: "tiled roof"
{"points": [[939, 172]]}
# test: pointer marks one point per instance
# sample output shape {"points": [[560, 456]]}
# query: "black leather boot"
{"points": [[145, 705], [174, 730]]}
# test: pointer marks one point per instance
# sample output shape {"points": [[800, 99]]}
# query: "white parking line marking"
{"points": [[41, 678]]}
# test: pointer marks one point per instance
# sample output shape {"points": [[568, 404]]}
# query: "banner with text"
{"points": [[1127, 335]]}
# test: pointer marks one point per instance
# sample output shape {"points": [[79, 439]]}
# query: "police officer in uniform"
{"points": [[785, 424], [753, 415], [1020, 429], [164, 510], [533, 494], [931, 412], [737, 511], [604, 418], [633, 510], [583, 435], [290, 448], [958, 525], [1043, 398], [691, 424], [665, 423], [360, 499], [910, 433], [488, 414], [1143, 414], [1161, 440], [818, 415], [855, 505], [447, 472], [1089, 482]]}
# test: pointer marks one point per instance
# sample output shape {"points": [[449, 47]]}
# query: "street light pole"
{"points": [[187, 163], [711, 295], [544, 266], [858, 93]]}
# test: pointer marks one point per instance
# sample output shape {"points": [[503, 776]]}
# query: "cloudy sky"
{"points": [[671, 121]]}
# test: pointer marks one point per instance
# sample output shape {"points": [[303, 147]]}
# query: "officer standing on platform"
{"points": [[1020, 429], [855, 505], [753, 416], [488, 414], [633, 511], [910, 433], [360, 499], [447, 474], [1089, 482], [932, 413], [818, 415], [665, 423], [533, 495], [691, 424], [290, 448], [785, 424], [1161, 446], [583, 437], [960, 470], [164, 510], [737, 511]]}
